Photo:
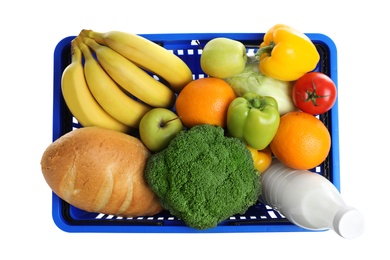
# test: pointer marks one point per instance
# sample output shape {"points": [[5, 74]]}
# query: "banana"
{"points": [[148, 55], [79, 99], [109, 95], [132, 78]]}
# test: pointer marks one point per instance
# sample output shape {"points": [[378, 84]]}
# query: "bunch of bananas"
{"points": [[107, 83]]}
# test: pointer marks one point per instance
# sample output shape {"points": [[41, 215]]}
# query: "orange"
{"points": [[302, 141], [204, 101]]}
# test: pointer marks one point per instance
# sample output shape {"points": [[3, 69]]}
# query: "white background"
{"points": [[30, 31]]}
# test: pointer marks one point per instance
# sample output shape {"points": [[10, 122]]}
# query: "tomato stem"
{"points": [[312, 95]]}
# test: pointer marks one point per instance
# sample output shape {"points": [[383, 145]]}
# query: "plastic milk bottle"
{"points": [[309, 200]]}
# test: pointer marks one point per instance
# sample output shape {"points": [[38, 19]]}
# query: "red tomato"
{"points": [[314, 93]]}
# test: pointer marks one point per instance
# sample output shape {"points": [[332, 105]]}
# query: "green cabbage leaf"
{"points": [[252, 80]]}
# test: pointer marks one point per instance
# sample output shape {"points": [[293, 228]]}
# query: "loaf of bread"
{"points": [[100, 170]]}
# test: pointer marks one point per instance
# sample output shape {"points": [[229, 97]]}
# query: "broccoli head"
{"points": [[203, 177]]}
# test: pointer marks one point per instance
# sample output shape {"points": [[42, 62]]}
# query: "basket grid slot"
{"points": [[267, 213]]}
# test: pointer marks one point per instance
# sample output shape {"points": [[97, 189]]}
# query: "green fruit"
{"points": [[223, 57], [158, 127]]}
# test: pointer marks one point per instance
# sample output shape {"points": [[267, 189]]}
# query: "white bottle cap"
{"points": [[348, 223]]}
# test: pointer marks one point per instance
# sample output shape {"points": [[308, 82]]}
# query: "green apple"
{"points": [[223, 57], [158, 127]]}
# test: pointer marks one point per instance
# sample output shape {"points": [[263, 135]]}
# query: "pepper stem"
{"points": [[257, 102], [266, 49]]}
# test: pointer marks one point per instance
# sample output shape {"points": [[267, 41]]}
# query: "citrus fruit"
{"points": [[204, 101], [302, 141]]}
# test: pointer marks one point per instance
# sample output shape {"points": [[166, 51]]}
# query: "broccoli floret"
{"points": [[203, 177]]}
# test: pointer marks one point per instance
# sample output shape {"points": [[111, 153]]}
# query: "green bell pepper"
{"points": [[253, 119]]}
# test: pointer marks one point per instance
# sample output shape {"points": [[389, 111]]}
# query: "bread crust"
{"points": [[100, 170]]}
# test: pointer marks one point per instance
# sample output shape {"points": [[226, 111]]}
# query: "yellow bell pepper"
{"points": [[286, 54], [261, 158]]}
